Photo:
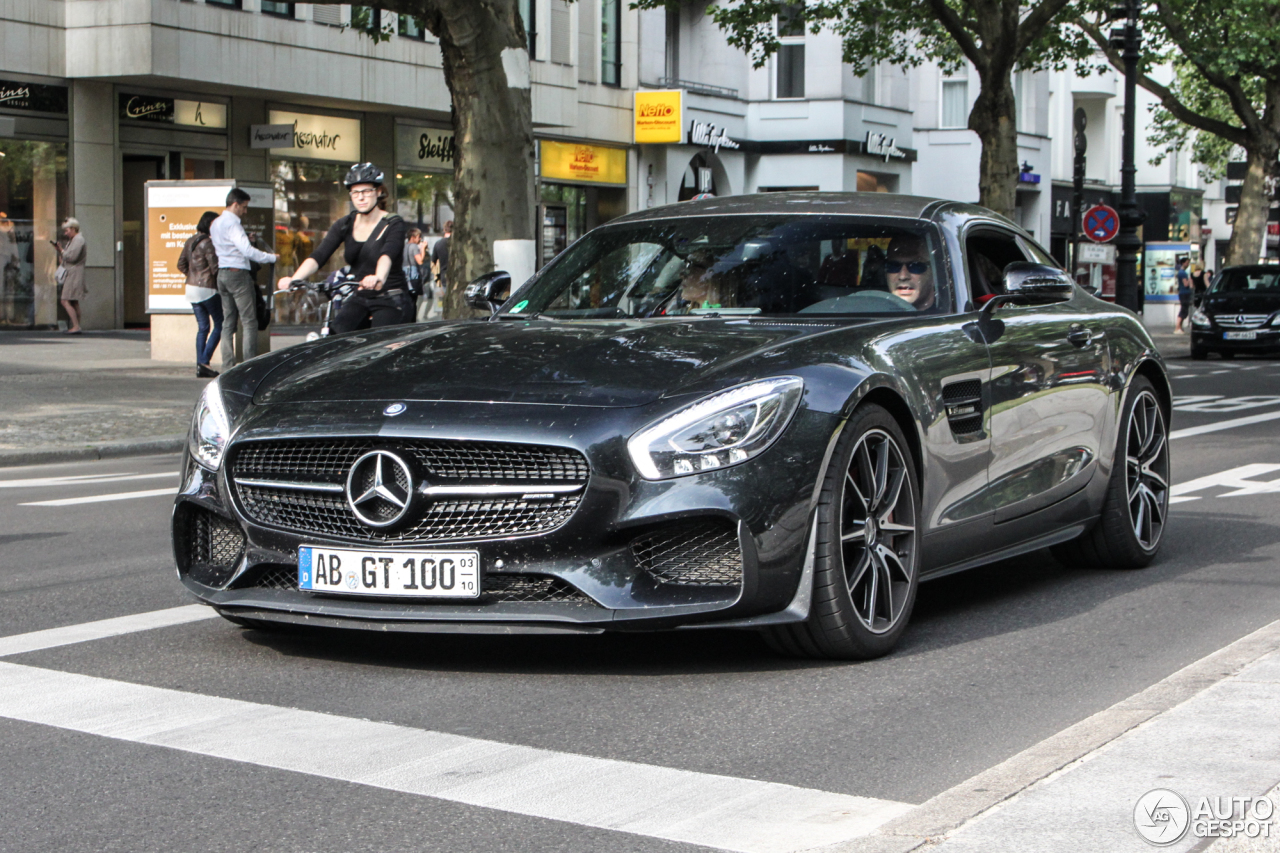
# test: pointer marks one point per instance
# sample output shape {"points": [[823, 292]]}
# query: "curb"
{"points": [[98, 450]]}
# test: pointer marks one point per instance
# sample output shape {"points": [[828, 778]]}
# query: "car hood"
{"points": [[585, 363], [1242, 303]]}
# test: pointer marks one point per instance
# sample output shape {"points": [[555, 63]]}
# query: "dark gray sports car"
{"points": [[776, 412]]}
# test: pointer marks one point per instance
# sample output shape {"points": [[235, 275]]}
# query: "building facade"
{"points": [[97, 97]]}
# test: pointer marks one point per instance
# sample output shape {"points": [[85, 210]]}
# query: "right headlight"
{"points": [[1199, 318], [724, 429], [210, 428]]}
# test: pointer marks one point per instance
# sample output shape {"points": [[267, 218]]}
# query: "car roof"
{"points": [[811, 203]]}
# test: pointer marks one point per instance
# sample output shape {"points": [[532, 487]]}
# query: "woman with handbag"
{"points": [[199, 263], [71, 272]]}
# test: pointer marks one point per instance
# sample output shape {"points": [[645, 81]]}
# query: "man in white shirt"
{"points": [[235, 283]]}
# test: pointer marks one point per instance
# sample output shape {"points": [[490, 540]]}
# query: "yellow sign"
{"points": [[594, 164], [659, 117]]}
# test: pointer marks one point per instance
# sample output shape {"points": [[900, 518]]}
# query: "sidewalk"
{"points": [[93, 396], [1168, 760]]}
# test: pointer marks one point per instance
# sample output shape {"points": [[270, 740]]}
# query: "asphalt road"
{"points": [[996, 660]]}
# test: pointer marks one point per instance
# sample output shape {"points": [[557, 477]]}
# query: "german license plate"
{"points": [[403, 574], [1239, 336]]}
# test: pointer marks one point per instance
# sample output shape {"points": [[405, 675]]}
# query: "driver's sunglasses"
{"points": [[913, 267]]}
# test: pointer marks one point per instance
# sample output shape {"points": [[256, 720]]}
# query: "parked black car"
{"points": [[1240, 313], [775, 412]]}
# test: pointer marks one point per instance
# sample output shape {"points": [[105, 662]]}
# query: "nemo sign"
{"points": [[593, 164], [659, 117]]}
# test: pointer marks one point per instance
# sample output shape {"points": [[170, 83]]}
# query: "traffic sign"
{"points": [[1101, 223]]}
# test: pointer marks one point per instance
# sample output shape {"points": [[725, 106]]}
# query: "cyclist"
{"points": [[373, 246]]}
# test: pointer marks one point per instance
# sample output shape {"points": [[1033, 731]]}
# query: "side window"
{"points": [[1039, 255], [987, 253]]}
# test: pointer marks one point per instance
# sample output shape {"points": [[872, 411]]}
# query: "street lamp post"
{"points": [[1128, 290]]}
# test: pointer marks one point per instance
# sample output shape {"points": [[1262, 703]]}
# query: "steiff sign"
{"points": [[429, 149], [318, 137]]}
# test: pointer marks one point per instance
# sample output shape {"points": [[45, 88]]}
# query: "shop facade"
{"points": [[33, 199], [580, 186]]}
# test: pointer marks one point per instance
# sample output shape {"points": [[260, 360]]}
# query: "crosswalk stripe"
{"points": [[94, 499], [722, 812], [80, 480], [1221, 425], [49, 638]]}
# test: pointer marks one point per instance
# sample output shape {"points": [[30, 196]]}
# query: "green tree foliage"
{"points": [[1226, 84], [996, 36]]}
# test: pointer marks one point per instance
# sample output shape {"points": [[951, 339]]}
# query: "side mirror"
{"points": [[489, 291], [1037, 281]]}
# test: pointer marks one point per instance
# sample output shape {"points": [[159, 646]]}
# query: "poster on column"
{"points": [[173, 210]]}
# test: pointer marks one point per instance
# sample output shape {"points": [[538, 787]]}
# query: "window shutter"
{"points": [[330, 14], [588, 39]]}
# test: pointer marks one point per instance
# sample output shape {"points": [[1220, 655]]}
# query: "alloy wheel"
{"points": [[877, 531], [1147, 470]]}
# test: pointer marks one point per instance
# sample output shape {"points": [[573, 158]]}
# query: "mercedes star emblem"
{"points": [[1239, 319], [379, 488]]}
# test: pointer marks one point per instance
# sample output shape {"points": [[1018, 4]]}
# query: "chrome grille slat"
{"points": [[1241, 321]]}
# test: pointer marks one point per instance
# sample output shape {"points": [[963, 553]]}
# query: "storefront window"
{"points": [[33, 200], [310, 197], [425, 200]]}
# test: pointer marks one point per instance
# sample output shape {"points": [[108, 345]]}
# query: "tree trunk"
{"points": [[993, 119], [486, 66], [1251, 216]]}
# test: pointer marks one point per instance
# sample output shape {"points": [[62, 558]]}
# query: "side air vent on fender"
{"points": [[963, 401]]}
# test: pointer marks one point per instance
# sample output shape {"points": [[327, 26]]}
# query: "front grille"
{"points": [[500, 587], [318, 470], [698, 553], [1241, 321], [213, 545]]}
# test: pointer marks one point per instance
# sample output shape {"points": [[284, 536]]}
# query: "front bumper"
{"points": [[1267, 340], [601, 569]]}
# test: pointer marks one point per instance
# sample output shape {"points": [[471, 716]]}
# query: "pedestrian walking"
{"points": [[412, 266], [1199, 284], [236, 288], [1184, 294], [71, 260], [199, 263], [440, 266]]}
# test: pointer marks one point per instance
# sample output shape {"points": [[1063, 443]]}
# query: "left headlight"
{"points": [[724, 429], [1199, 318], [210, 428]]}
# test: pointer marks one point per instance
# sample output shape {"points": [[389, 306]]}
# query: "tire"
{"points": [[1127, 534], [1199, 353], [862, 596]]}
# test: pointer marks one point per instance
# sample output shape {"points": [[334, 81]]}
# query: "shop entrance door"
{"points": [[138, 169]]}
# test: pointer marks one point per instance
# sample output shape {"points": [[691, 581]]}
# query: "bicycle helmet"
{"points": [[363, 173]]}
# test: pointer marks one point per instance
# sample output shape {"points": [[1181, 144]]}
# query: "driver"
{"points": [[373, 246], [699, 287], [909, 271]]}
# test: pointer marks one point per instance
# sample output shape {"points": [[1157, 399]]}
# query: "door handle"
{"points": [[1079, 336]]}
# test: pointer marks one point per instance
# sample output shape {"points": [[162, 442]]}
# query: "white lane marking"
{"points": [[80, 480], [49, 638], [94, 499], [1221, 425], [1218, 403], [1234, 478], [723, 812]]}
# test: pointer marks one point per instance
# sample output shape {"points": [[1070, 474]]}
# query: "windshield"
{"points": [[743, 265], [1248, 281]]}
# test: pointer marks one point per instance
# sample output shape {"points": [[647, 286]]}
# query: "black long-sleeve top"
{"points": [[387, 238]]}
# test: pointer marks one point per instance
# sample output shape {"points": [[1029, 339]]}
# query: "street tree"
{"points": [[485, 54], [1225, 56], [996, 36]]}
